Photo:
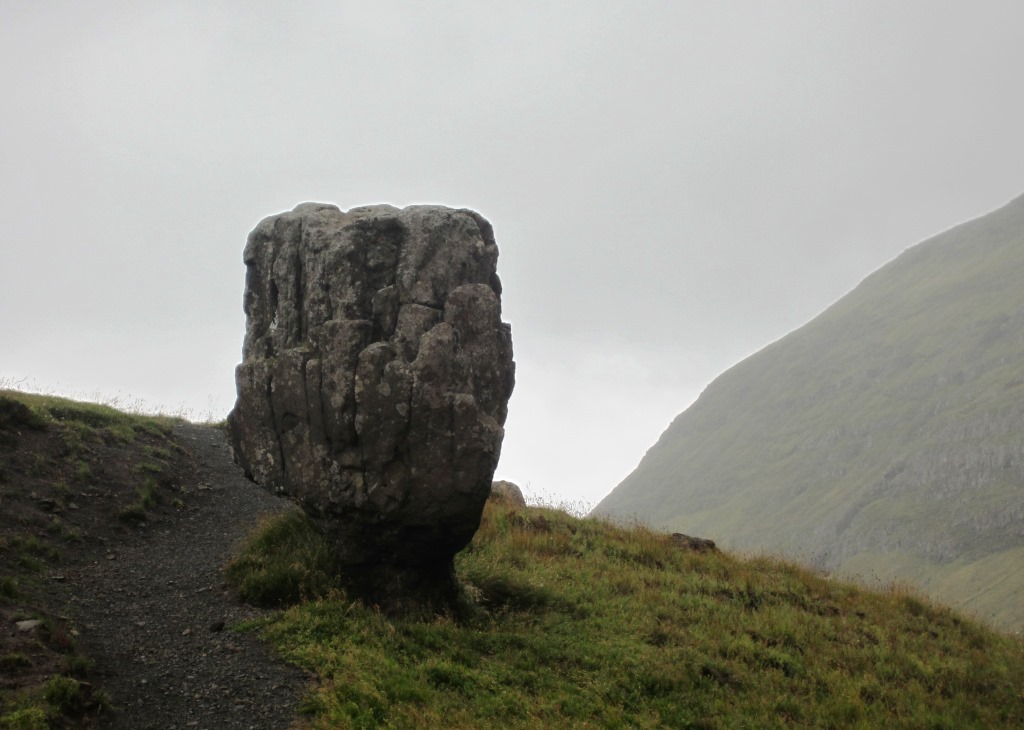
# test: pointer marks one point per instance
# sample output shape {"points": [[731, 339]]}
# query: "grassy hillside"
{"points": [[883, 439], [74, 477], [564, 622], [573, 622]]}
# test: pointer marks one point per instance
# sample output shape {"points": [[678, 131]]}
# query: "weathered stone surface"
{"points": [[507, 493], [696, 544], [374, 381]]}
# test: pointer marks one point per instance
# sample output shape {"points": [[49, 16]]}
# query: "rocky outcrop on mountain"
{"points": [[694, 544], [507, 493], [374, 383]]}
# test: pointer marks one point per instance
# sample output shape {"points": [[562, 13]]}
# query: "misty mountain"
{"points": [[882, 440]]}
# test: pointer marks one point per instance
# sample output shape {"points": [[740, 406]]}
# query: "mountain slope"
{"points": [[884, 438]]}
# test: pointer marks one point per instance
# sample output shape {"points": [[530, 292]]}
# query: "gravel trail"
{"points": [[154, 615]]}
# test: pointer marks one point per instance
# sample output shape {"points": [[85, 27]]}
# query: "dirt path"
{"points": [[152, 612]]}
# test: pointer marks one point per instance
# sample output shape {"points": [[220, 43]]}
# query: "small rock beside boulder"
{"points": [[374, 383], [507, 493], [696, 544]]}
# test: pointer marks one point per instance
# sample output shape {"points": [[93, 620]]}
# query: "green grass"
{"points": [[62, 529], [33, 546], [29, 563], [25, 718], [14, 414], [133, 512], [63, 693], [83, 472], [159, 452], [14, 660], [9, 587], [148, 498], [85, 420], [571, 622], [285, 560], [52, 705]]}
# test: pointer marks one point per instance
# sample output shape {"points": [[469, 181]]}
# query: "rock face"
{"points": [[374, 383]]}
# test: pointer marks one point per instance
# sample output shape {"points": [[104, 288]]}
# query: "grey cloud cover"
{"points": [[672, 185]]}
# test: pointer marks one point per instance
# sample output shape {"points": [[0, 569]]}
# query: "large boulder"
{"points": [[374, 382]]}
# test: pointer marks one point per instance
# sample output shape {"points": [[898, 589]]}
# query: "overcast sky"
{"points": [[673, 185]]}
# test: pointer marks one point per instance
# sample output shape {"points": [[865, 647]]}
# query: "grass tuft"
{"points": [[83, 472], [148, 498], [26, 718], [14, 660], [284, 561], [9, 587], [64, 694], [134, 512]]}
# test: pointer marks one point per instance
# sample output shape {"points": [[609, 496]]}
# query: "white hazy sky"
{"points": [[673, 185]]}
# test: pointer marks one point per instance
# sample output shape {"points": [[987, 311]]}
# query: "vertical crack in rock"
{"points": [[275, 437], [298, 300], [374, 384], [273, 310]]}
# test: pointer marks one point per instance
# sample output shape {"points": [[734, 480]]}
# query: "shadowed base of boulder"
{"points": [[401, 590], [399, 567]]}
